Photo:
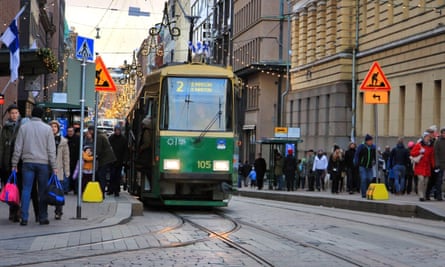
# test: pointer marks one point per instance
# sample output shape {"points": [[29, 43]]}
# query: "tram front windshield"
{"points": [[196, 104]]}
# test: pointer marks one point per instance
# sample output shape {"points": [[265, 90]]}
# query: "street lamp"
{"points": [[131, 71], [151, 44]]}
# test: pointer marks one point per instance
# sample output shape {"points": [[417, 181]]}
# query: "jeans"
{"points": [[319, 175], [399, 177], [32, 171], [366, 175], [280, 183]]}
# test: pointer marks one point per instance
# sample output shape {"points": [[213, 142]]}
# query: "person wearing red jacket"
{"points": [[422, 155]]}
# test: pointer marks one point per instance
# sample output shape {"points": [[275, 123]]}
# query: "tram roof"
{"points": [[197, 69], [278, 141]]}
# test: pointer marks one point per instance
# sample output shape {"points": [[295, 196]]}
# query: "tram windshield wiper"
{"points": [[207, 128]]}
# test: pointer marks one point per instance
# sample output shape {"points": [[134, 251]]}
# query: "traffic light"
{"points": [[2, 99]]}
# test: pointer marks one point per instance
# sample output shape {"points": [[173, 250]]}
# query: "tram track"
{"points": [[396, 227], [63, 254]]}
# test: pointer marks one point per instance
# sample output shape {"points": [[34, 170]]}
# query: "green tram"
{"points": [[191, 111]]}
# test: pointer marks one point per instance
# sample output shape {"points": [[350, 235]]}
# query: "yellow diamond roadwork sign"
{"points": [[376, 97], [280, 131], [103, 82], [375, 79]]}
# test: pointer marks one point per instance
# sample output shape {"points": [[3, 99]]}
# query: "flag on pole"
{"points": [[11, 39]]}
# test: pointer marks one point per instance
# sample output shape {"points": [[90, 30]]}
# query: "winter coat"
{"points": [[290, 166], [120, 147], [7, 140], [320, 163], [104, 152], [439, 153], [365, 156], [278, 168], [63, 158], [426, 163], [335, 167], [399, 156]]}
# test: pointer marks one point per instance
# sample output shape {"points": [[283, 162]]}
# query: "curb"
{"points": [[380, 207]]}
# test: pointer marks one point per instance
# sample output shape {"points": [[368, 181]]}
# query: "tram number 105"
{"points": [[204, 164]]}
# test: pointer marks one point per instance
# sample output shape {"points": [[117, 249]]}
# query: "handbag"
{"points": [[10, 192], [54, 194]]}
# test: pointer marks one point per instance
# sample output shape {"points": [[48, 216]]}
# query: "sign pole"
{"points": [[82, 126], [95, 134], [376, 124]]}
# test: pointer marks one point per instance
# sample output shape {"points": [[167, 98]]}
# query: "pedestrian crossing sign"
{"points": [[103, 82], [375, 79], [84, 48]]}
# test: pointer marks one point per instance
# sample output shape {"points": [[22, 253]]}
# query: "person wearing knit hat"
{"points": [[365, 158], [368, 138]]}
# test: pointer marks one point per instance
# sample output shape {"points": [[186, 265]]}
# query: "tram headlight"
{"points": [[172, 164], [221, 165]]}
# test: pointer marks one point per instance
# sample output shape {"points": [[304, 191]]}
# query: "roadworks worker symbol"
{"points": [[103, 82], [375, 79]]}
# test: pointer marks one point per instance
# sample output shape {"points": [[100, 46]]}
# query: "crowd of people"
{"points": [[35, 150], [415, 167]]}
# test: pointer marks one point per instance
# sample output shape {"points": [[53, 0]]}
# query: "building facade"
{"points": [[335, 42], [41, 25], [259, 43]]}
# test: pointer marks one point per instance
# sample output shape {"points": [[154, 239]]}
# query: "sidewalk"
{"points": [[111, 211], [403, 206]]}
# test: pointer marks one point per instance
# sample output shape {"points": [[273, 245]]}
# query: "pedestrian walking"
{"points": [[278, 170], [36, 147], [290, 167], [7, 142], [87, 167], [252, 176], [365, 159], [62, 159], [335, 169], [352, 177], [105, 157], [260, 168], [120, 149], [398, 162], [423, 156], [439, 157], [310, 175], [319, 168], [74, 148]]}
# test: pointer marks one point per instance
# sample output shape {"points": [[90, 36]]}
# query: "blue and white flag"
{"points": [[200, 48], [11, 39]]}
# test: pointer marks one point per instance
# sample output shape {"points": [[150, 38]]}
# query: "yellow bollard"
{"points": [[92, 193], [377, 192]]}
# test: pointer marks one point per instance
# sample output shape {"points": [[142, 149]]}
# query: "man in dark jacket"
{"points": [[120, 148], [289, 168], [351, 170], [105, 157], [73, 144], [398, 162], [7, 141], [365, 159], [260, 168]]}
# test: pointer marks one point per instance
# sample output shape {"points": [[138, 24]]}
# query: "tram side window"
{"points": [[164, 108]]}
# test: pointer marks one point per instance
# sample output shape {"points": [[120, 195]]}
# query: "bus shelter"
{"points": [[272, 145]]}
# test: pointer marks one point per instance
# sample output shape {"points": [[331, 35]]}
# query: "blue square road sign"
{"points": [[84, 48]]}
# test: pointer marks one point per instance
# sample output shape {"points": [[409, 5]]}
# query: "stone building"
{"points": [[260, 45], [335, 42]]}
